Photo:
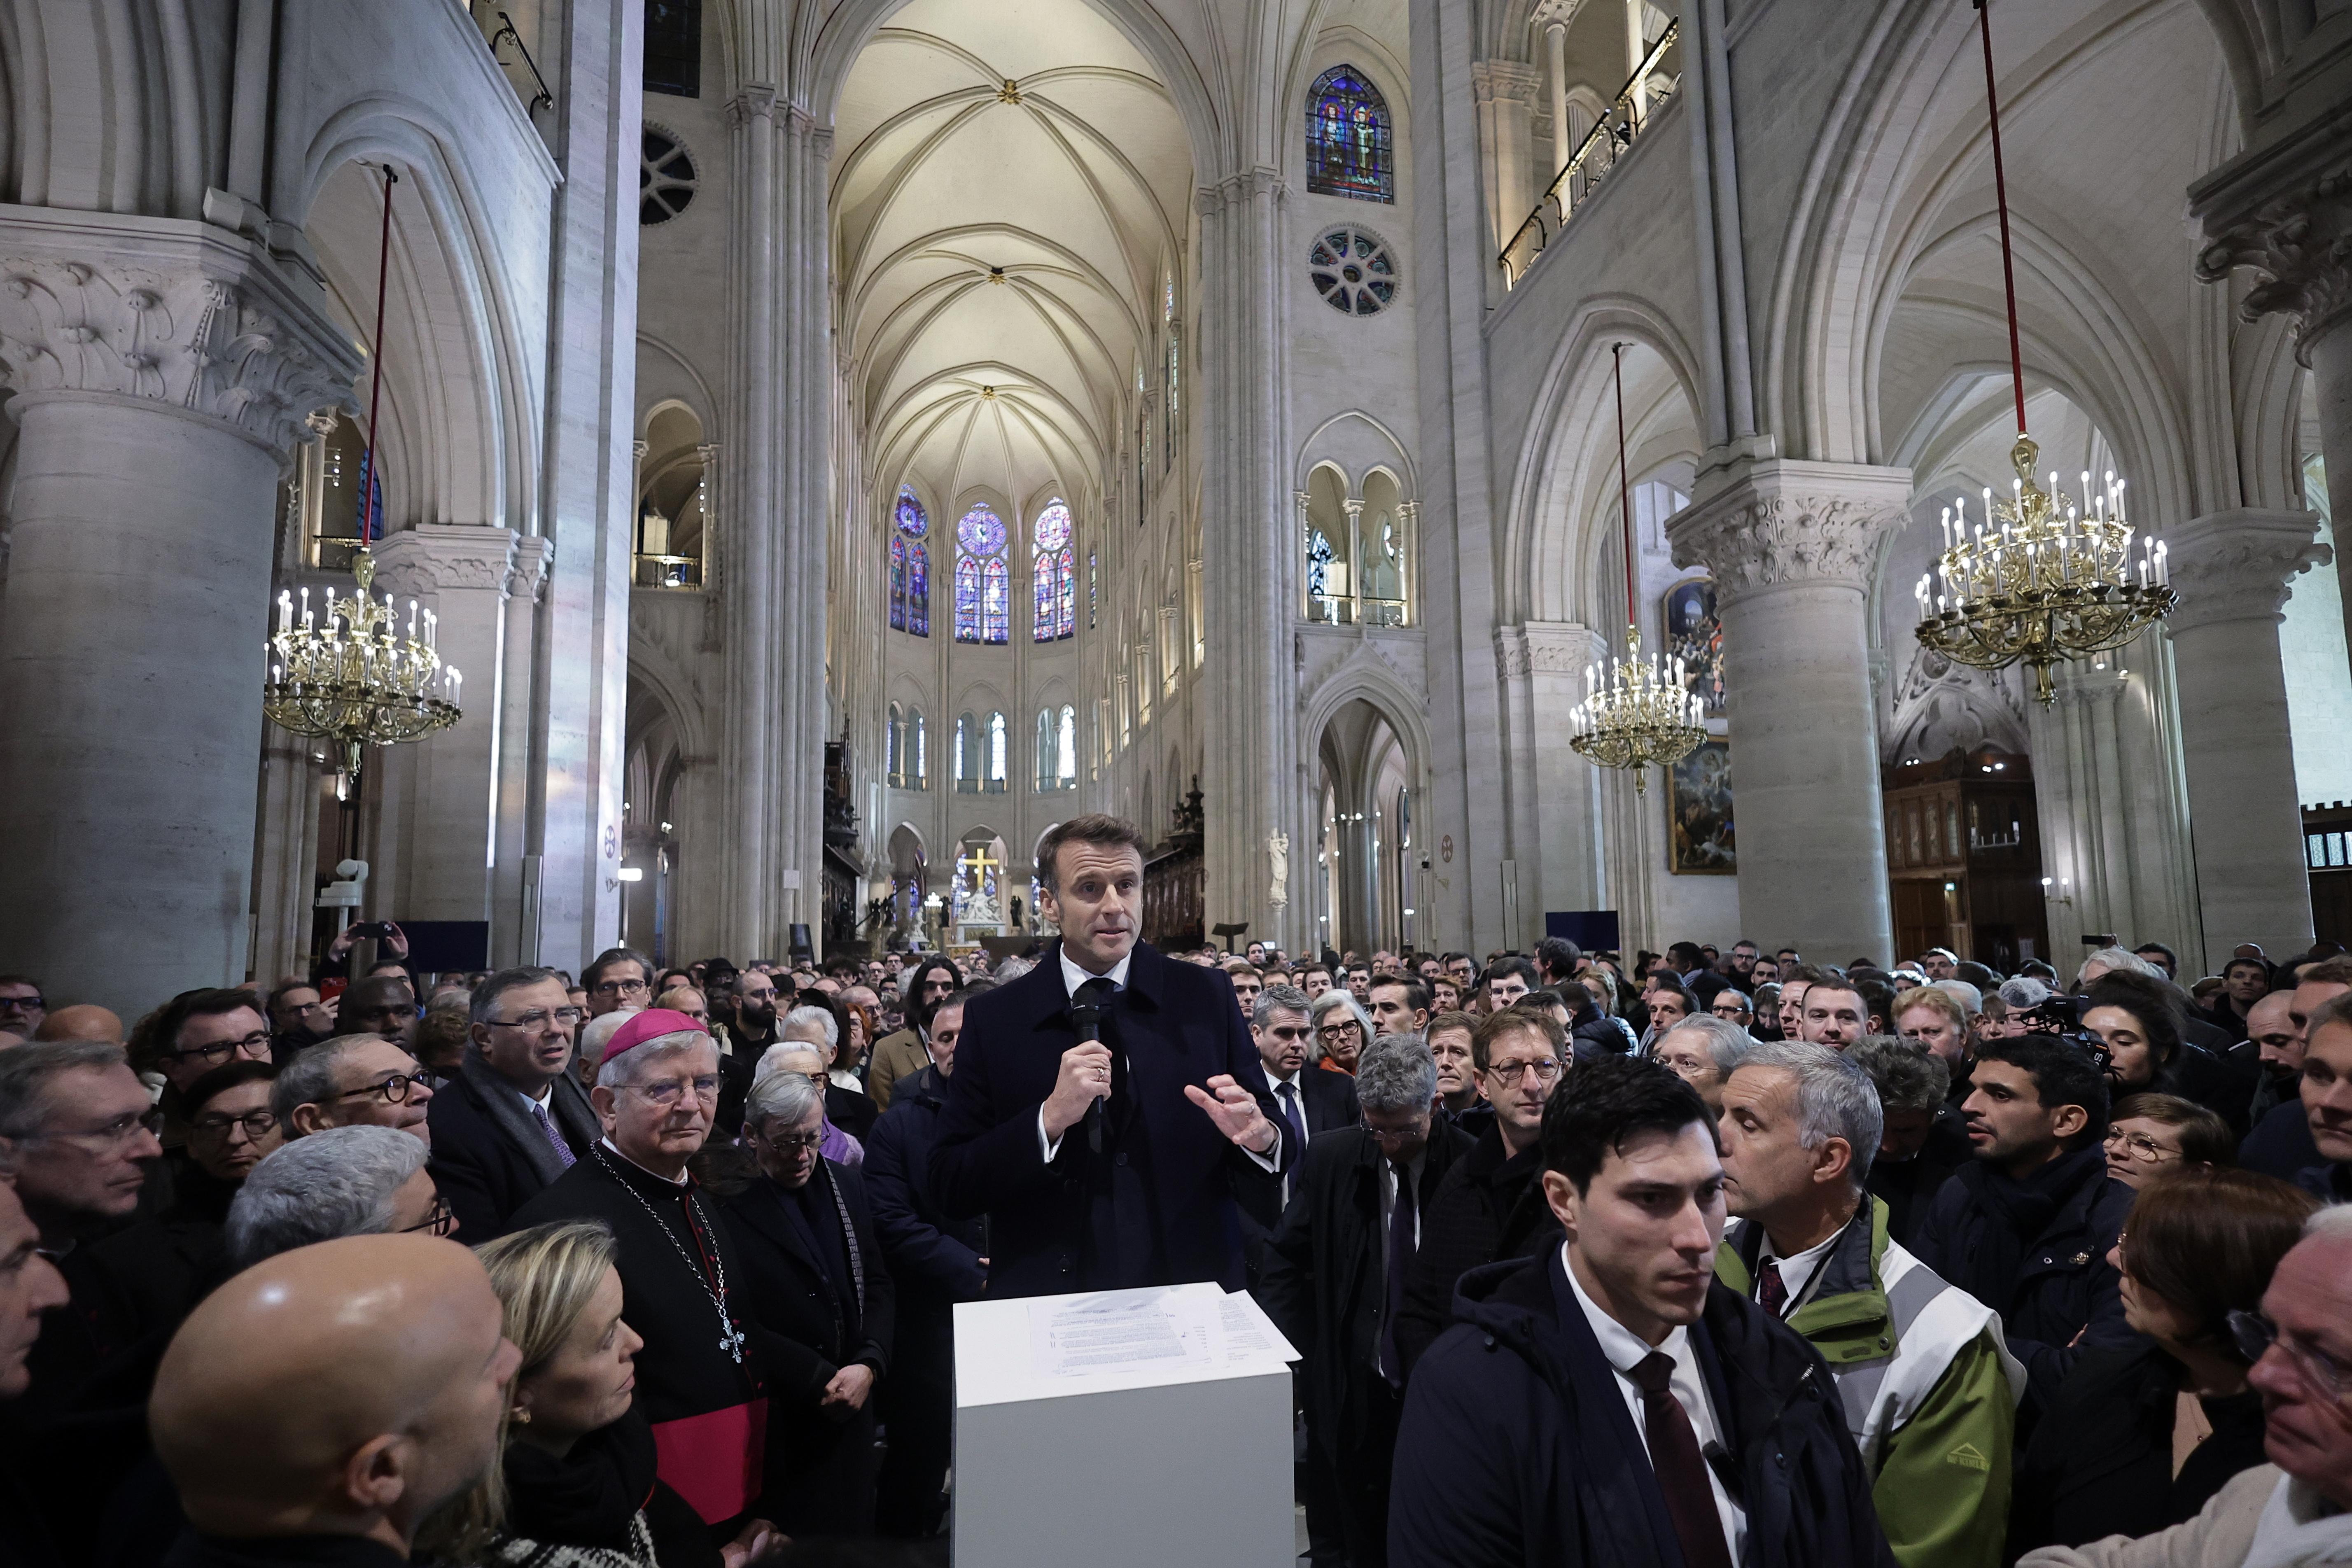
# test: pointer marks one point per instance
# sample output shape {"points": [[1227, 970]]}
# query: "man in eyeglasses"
{"points": [[353, 1080], [1491, 1204], [619, 980], [79, 1131], [189, 1035], [1334, 1279], [21, 1006], [513, 1119]]}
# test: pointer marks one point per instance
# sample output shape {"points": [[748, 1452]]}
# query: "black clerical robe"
{"points": [[697, 1382]]}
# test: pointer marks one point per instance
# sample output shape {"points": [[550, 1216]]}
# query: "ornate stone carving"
{"points": [[1547, 647], [1792, 523], [755, 101], [178, 325], [534, 557], [434, 557], [2240, 565], [2301, 247], [1510, 81]]}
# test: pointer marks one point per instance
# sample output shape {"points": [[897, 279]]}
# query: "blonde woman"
{"points": [[575, 1485]]}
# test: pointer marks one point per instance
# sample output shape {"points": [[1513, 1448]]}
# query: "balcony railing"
{"points": [[1651, 87], [669, 571]]}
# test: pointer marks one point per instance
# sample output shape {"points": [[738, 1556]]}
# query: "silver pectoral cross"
{"points": [[731, 1342]]}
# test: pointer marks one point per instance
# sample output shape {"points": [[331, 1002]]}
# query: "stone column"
{"points": [[1791, 546], [1563, 145], [518, 883], [1250, 570], [1506, 93], [2233, 570], [448, 788], [1555, 794], [162, 370], [2284, 210]]}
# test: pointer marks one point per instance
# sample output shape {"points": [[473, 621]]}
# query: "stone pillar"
{"points": [[1506, 96], [285, 870], [1555, 794], [1791, 545], [1563, 145], [1254, 754], [517, 881], [2233, 570], [445, 807], [2284, 210], [161, 371]]}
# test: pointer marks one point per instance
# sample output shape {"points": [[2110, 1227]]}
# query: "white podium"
{"points": [[1146, 1428]]}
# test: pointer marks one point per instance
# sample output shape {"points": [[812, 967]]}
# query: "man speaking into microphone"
{"points": [[1105, 1105]]}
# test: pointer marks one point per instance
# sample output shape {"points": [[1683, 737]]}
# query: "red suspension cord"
{"points": [[2001, 198], [1624, 487], [374, 483]]}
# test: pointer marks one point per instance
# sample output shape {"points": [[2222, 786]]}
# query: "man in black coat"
{"points": [[1606, 1404], [2028, 1226], [819, 1289], [1313, 1102], [1094, 1173], [1334, 1274], [1491, 1204], [934, 1263], [514, 1118]]}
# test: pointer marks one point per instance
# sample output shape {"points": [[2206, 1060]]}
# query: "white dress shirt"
{"points": [[1798, 1271], [1625, 1351], [1072, 978], [1299, 1099]]}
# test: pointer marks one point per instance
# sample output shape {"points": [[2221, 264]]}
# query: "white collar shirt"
{"points": [[1797, 1270], [1623, 1350]]}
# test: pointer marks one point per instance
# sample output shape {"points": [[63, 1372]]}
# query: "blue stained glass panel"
{"points": [[919, 591], [966, 600], [1054, 527], [912, 521], [982, 531], [1067, 609], [1041, 616], [1347, 138], [897, 584], [996, 600]]}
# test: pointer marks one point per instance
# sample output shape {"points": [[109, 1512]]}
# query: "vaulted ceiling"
{"points": [[1008, 182]]}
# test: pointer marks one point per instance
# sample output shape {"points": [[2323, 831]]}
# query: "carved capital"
{"points": [[534, 556], [1547, 647], [1509, 82], [178, 314], [2240, 565], [1786, 522], [757, 101], [2301, 247], [435, 557]]}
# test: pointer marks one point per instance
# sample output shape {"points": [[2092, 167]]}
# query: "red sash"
{"points": [[713, 1460]]}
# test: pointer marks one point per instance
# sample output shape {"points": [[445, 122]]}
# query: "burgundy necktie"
{"points": [[1680, 1467], [1771, 1293]]}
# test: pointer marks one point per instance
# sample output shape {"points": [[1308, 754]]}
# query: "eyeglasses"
{"points": [[793, 1142], [2140, 1146], [538, 1016], [22, 1003], [255, 1045], [256, 1125], [392, 1091], [437, 1221], [2254, 1334], [1508, 1073], [1389, 1136], [620, 987], [1342, 1027], [113, 1135], [668, 1092]]}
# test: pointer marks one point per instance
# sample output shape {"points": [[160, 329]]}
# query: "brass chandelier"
{"points": [[2042, 576], [1644, 714], [347, 675]]}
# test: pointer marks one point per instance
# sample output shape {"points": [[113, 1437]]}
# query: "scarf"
{"points": [[2021, 1211], [588, 1498]]}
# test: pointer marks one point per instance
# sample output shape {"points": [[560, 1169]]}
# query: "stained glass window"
{"points": [[984, 611], [1094, 588], [1066, 754], [922, 753], [911, 567], [1347, 138], [1055, 568]]}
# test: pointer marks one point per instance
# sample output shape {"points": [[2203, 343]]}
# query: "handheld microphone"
{"points": [[1088, 1016]]}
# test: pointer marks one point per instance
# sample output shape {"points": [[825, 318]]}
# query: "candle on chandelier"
{"points": [[306, 609], [285, 612], [2163, 570]]}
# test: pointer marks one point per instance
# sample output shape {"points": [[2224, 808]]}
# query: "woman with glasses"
{"points": [[2150, 1135], [818, 1286], [821, 1029], [1342, 1029], [806, 1059], [574, 1484], [2141, 1436], [152, 1274]]}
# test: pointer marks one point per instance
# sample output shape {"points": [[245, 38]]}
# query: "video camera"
{"points": [[2062, 1015]]}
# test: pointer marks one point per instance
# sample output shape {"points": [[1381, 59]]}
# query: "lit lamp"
{"points": [[1643, 712], [2041, 576]]}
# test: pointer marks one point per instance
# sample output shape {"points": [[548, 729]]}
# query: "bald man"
{"points": [[82, 1021], [323, 1402]]}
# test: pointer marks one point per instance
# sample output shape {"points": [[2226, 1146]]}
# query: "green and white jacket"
{"points": [[1930, 1389]]}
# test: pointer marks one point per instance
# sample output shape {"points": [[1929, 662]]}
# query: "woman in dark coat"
{"points": [[2141, 1436], [824, 1300]]}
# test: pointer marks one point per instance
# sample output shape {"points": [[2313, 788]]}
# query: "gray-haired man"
{"points": [[1334, 1279]]}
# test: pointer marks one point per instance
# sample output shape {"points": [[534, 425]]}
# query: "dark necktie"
{"points": [[1097, 993], [1288, 1094], [1400, 1250], [1772, 1294], [562, 1149], [1680, 1467]]}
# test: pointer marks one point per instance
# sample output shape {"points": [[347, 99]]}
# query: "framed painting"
{"points": [[1698, 813], [1695, 637]]}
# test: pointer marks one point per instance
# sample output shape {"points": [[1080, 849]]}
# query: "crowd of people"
{"points": [[1697, 1257]]}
